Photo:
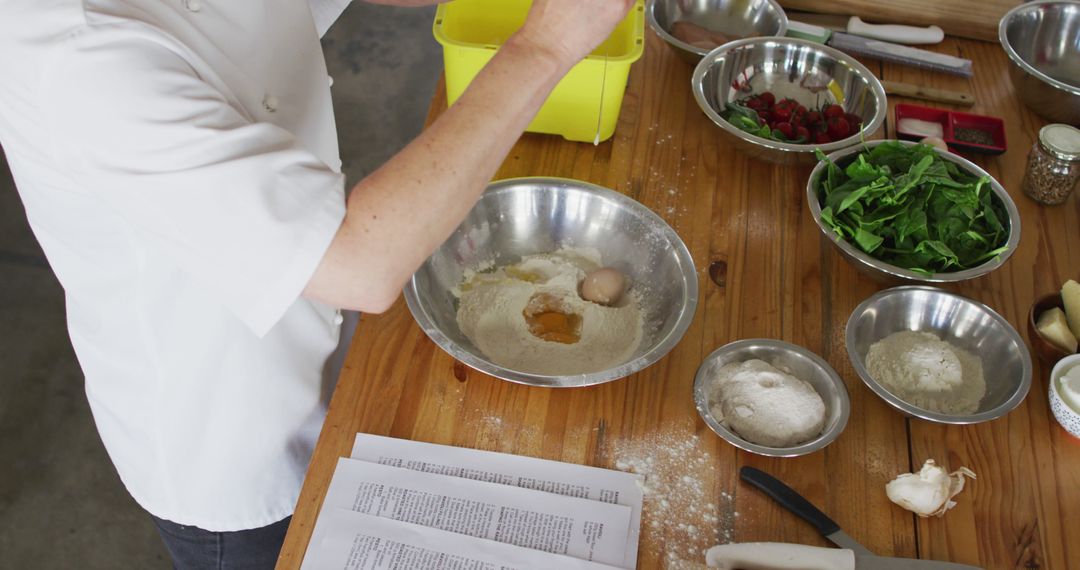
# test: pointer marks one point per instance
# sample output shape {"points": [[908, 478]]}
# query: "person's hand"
{"points": [[571, 29]]}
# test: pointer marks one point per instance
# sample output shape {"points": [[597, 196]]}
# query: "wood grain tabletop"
{"points": [[764, 271]]}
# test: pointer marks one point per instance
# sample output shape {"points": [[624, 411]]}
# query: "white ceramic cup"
{"points": [[1066, 416]]}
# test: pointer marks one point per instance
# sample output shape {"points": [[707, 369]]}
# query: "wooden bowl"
{"points": [[1047, 351]]}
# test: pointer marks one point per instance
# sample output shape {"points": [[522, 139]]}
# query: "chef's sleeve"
{"points": [[236, 203], [326, 12]]}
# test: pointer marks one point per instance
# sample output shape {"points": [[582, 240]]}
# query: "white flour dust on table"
{"points": [[530, 318], [683, 513], [925, 371]]}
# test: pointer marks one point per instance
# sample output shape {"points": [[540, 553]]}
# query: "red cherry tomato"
{"points": [[833, 112], [839, 128], [768, 98], [786, 129]]}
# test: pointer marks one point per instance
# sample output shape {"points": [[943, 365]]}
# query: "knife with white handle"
{"points": [[781, 556], [895, 33], [778, 556], [863, 558]]}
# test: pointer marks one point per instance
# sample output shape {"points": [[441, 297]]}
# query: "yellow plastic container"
{"points": [[470, 32]]}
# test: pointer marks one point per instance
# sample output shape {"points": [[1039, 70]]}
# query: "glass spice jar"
{"points": [[1053, 167]]}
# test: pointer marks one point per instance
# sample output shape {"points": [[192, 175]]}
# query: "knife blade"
{"points": [[782, 556], [871, 562]]}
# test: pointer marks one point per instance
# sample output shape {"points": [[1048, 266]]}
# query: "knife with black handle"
{"points": [[796, 503], [762, 555]]}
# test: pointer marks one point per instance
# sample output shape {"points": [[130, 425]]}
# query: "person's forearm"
{"points": [[400, 213]]}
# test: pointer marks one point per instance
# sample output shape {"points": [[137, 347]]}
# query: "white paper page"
{"points": [[557, 477], [581, 528], [347, 540]]}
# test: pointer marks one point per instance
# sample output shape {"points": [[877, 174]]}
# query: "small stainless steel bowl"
{"points": [[729, 17], [882, 271], [967, 324], [793, 359], [1042, 40], [526, 216], [787, 67]]}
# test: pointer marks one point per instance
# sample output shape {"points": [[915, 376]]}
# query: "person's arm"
{"points": [[401, 212]]}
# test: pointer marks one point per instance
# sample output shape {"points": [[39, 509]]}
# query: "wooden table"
{"points": [[746, 224]]}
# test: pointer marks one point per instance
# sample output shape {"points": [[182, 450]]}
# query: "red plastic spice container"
{"points": [[963, 132]]}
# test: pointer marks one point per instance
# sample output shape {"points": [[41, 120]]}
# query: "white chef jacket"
{"points": [[178, 162]]}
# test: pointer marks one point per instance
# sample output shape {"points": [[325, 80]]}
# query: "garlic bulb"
{"points": [[930, 491]]}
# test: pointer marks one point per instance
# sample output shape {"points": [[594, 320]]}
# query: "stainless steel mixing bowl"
{"points": [[883, 271], [1042, 40], [793, 359], [733, 18], [526, 216], [783, 66], [969, 325]]}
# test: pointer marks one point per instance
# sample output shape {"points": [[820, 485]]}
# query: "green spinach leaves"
{"points": [[908, 207]]}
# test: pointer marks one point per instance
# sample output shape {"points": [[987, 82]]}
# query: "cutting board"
{"points": [[977, 19]]}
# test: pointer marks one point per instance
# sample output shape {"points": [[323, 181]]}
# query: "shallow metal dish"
{"points": [[525, 216], [883, 271], [1042, 40], [729, 17], [753, 65], [967, 324], [795, 360]]}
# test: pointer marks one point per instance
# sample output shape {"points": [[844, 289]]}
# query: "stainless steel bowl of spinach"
{"points": [[911, 211]]}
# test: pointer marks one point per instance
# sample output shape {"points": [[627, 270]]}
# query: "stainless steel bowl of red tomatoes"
{"points": [[782, 99]]}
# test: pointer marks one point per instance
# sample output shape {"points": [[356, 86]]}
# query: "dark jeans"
{"points": [[193, 548]]}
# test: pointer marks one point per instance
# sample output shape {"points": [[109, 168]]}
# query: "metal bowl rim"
{"points": [[650, 16], [701, 400], [662, 348], [698, 81], [1020, 391], [876, 264], [1019, 61]]}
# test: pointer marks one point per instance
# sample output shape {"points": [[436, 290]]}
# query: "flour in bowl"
{"points": [[925, 371], [529, 317], [765, 405]]}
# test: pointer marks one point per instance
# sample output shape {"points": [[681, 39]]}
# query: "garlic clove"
{"points": [[928, 492]]}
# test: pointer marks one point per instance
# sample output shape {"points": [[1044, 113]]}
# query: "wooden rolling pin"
{"points": [[928, 93]]}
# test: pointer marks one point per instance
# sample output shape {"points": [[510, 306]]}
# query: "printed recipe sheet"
{"points": [[347, 540], [568, 479], [538, 520]]}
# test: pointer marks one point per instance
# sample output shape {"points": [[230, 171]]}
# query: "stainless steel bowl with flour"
{"points": [[519, 218], [964, 324], [790, 359]]}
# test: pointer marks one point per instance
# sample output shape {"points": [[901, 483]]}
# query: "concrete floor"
{"points": [[61, 503]]}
